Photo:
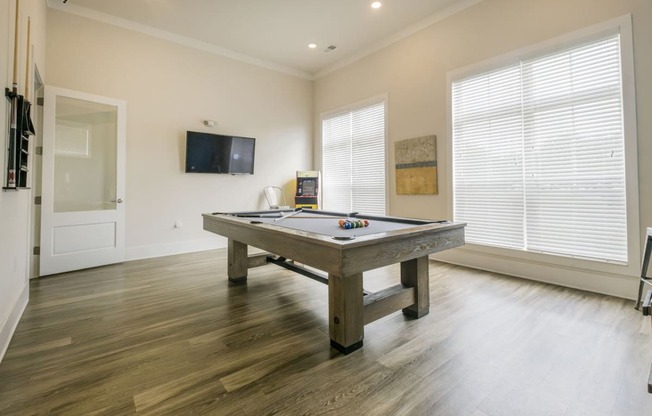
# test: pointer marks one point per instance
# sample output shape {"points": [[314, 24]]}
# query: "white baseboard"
{"points": [[612, 284], [11, 322], [169, 249]]}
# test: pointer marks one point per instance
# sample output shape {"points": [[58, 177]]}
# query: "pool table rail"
{"points": [[341, 257]]}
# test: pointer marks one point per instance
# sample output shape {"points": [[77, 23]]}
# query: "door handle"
{"points": [[117, 201]]}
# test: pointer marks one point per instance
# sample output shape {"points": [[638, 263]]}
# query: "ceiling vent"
{"points": [[330, 48]]}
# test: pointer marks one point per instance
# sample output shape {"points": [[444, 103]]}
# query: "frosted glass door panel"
{"points": [[85, 146]]}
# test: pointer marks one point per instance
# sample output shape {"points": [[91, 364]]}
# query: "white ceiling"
{"points": [[274, 33]]}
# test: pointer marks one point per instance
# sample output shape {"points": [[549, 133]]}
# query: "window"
{"points": [[353, 159], [539, 153]]}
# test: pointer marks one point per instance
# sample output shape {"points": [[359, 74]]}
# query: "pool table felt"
{"points": [[329, 226]]}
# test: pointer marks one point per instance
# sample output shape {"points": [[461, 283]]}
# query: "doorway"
{"points": [[83, 181]]}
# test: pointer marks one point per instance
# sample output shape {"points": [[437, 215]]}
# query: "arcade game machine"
{"points": [[308, 189]]}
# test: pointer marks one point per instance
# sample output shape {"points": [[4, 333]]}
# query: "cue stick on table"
{"points": [[300, 210], [318, 217], [247, 215]]}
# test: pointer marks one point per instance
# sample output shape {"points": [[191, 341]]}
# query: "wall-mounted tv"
{"points": [[215, 153]]}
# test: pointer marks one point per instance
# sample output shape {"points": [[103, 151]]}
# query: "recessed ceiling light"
{"points": [[376, 5], [312, 45]]}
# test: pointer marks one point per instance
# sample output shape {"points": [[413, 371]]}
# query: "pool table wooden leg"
{"points": [[345, 312], [414, 273], [238, 262]]}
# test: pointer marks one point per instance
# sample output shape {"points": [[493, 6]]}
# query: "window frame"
{"points": [[381, 98], [622, 25]]}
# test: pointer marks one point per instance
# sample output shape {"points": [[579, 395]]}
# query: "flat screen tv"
{"points": [[215, 153]]}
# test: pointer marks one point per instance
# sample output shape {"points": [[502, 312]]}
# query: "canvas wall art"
{"points": [[416, 166]]}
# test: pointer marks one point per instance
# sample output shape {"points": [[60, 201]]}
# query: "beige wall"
{"points": [[413, 74], [170, 89], [15, 206]]}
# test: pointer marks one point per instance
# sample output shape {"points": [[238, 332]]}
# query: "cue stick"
{"points": [[319, 217], [248, 215], [15, 84], [29, 24], [27, 125], [298, 211]]}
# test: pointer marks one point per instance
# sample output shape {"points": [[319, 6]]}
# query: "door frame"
{"points": [[36, 167]]}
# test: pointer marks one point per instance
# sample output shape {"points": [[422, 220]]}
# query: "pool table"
{"points": [[315, 238]]}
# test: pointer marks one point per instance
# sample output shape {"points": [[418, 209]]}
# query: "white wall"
{"points": [[170, 89], [413, 74], [15, 206]]}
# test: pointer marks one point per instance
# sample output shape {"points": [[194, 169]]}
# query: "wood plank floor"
{"points": [[168, 336]]}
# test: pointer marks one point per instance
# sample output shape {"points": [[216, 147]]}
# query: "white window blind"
{"points": [[488, 158], [538, 154], [353, 149]]}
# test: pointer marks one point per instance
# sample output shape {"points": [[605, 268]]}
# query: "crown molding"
{"points": [[409, 31], [221, 51], [174, 38]]}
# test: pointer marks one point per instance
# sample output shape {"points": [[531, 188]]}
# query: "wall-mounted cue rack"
{"points": [[17, 144]]}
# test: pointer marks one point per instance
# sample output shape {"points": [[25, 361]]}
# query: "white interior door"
{"points": [[83, 207]]}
